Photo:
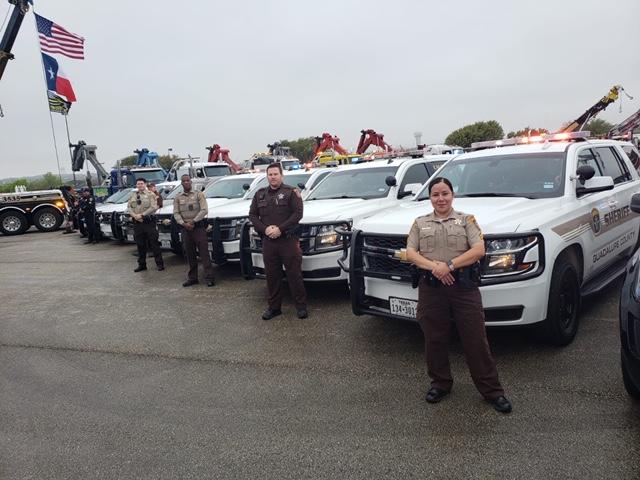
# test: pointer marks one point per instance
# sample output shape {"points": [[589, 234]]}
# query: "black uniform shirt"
{"points": [[281, 207]]}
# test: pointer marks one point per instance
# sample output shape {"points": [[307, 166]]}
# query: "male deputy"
{"points": [[275, 212], [142, 207], [190, 211]]}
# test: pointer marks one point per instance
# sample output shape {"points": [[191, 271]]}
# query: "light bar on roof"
{"points": [[546, 137]]}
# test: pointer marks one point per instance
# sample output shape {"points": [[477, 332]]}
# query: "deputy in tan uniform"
{"points": [[142, 207], [275, 213], [190, 211], [446, 246]]}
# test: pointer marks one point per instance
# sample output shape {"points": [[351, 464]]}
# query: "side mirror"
{"points": [[301, 186], [410, 189], [595, 184], [390, 181], [246, 186], [635, 203], [585, 172]]}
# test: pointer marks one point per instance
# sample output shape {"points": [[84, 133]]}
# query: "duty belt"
{"points": [[465, 277]]}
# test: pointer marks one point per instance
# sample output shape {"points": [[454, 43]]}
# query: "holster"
{"points": [[149, 219]]}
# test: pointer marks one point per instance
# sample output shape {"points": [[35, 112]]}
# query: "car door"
{"points": [[599, 209]]}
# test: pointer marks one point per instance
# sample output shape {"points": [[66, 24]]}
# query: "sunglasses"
{"points": [[138, 201]]}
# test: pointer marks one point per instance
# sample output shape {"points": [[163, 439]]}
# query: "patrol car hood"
{"points": [[111, 207], [235, 209], [337, 209], [494, 215]]}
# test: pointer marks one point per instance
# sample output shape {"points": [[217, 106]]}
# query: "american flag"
{"points": [[55, 39]]}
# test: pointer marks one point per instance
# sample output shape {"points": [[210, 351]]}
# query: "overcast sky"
{"points": [[184, 75]]}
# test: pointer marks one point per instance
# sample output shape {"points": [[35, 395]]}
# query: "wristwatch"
{"points": [[450, 265]]}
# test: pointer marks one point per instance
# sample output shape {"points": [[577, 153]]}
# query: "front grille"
{"points": [[229, 229], [378, 255], [162, 228], [105, 217]]}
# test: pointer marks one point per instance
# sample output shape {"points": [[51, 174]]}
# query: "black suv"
{"points": [[630, 319]]}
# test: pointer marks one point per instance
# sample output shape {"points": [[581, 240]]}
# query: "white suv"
{"points": [[350, 194], [556, 222]]}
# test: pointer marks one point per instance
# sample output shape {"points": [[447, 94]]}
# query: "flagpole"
{"points": [[53, 131]]}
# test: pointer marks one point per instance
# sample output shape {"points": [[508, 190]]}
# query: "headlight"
{"points": [[511, 256], [327, 238], [254, 239]]}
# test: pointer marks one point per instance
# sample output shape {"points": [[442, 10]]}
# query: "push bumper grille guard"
{"points": [[354, 252], [246, 263], [221, 231]]}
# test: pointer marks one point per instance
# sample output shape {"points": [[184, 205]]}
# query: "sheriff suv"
{"points": [[45, 209], [555, 213], [350, 194]]}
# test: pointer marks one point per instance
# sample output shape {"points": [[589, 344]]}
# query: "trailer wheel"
{"points": [[47, 219], [13, 223]]}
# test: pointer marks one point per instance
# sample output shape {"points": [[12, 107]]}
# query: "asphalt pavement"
{"points": [[109, 374]]}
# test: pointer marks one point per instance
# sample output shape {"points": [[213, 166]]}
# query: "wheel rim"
{"points": [[11, 224], [568, 303], [47, 220]]}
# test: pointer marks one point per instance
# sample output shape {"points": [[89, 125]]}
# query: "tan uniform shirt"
{"points": [[190, 207], [444, 239], [143, 203]]}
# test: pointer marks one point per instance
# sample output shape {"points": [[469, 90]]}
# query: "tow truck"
{"points": [[554, 210], [345, 198], [20, 210], [329, 153], [591, 112], [20, 9], [277, 154]]}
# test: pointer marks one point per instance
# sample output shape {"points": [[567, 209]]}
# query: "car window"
{"points": [[633, 155], [417, 173], [530, 175], [612, 166], [231, 188], [355, 183], [319, 177], [586, 157]]}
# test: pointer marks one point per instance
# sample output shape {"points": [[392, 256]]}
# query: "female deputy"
{"points": [[445, 244]]}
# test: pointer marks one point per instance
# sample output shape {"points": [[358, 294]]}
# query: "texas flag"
{"points": [[57, 81]]}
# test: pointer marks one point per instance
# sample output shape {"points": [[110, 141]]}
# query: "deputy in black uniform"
{"points": [[87, 213], [446, 245], [275, 213]]}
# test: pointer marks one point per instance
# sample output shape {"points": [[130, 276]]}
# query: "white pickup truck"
{"points": [[556, 222], [350, 194]]}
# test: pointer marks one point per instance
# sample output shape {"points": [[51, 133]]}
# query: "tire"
{"points": [[562, 321], [47, 219], [13, 223], [632, 388]]}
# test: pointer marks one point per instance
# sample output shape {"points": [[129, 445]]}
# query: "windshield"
{"points": [[357, 183], [175, 192], [291, 180], [217, 171], [228, 188], [116, 197], [262, 161], [155, 176], [534, 175]]}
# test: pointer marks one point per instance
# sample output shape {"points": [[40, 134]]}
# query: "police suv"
{"points": [[228, 221], [350, 194], [224, 190], [107, 214], [557, 225], [43, 208]]}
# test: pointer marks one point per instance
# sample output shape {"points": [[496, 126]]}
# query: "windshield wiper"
{"points": [[491, 194]]}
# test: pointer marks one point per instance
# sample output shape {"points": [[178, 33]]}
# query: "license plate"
{"points": [[106, 229], [165, 243], [129, 237], [403, 307]]}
